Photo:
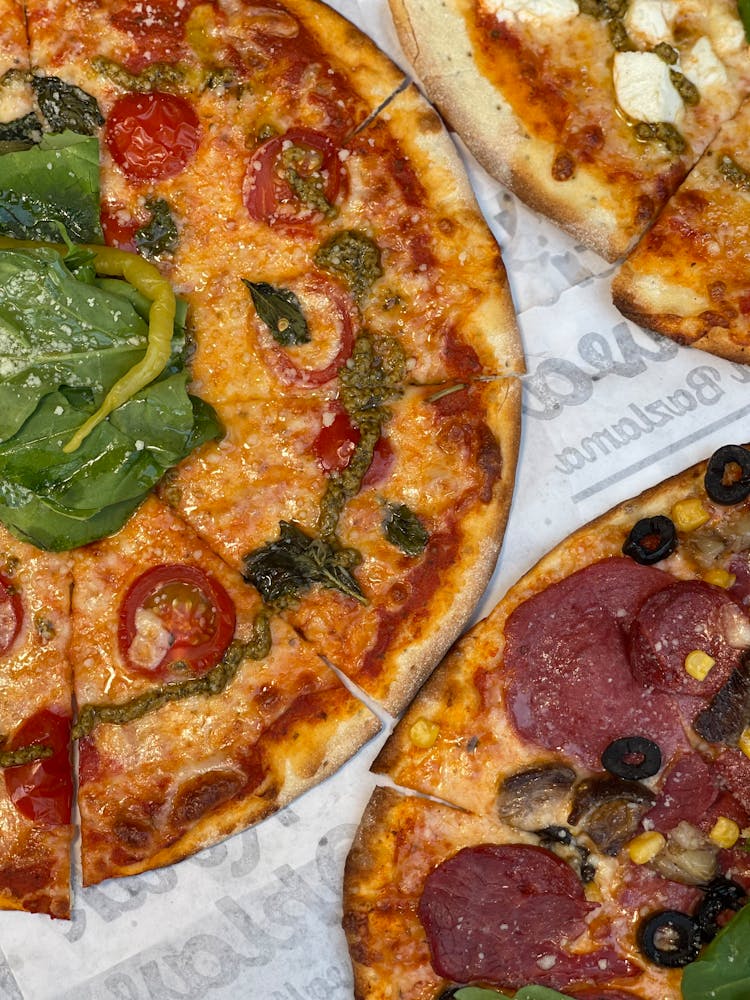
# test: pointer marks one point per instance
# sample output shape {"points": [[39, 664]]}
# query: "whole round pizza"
{"points": [[260, 414]]}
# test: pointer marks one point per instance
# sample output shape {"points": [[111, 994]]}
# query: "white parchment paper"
{"points": [[609, 410]]}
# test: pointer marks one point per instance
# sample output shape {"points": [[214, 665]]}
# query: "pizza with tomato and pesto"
{"points": [[568, 811], [259, 418]]}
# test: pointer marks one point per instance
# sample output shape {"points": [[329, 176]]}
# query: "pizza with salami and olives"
{"points": [[259, 418], [572, 801]]}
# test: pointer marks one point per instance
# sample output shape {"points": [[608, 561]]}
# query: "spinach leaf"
{"points": [[56, 181], [66, 106], [64, 341], [24, 131], [159, 235], [403, 529], [723, 970], [283, 569], [56, 330], [280, 310]]}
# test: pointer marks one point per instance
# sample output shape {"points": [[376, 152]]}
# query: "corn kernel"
{"points": [[423, 733], [645, 846], [698, 664], [725, 832], [689, 514], [744, 742], [720, 578]]}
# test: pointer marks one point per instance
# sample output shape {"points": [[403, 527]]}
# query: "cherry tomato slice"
{"points": [[11, 614], [267, 193], [383, 458], [328, 315], [335, 443], [175, 613], [152, 135], [42, 790], [119, 227]]}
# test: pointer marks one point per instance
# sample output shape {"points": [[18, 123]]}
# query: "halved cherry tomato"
{"points": [[119, 227], [329, 318], [152, 135], [266, 190], [175, 613], [335, 443], [11, 614], [42, 790], [383, 458]]}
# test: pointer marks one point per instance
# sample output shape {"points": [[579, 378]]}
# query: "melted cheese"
{"points": [[644, 89], [534, 11], [650, 21], [703, 66]]}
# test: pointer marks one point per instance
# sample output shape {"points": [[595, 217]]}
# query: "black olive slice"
{"points": [[669, 938], [650, 540], [632, 757], [722, 894], [727, 478], [448, 994]]}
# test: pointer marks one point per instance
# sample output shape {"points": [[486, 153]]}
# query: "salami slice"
{"points": [[570, 683], [505, 915], [690, 615], [689, 789], [734, 768]]}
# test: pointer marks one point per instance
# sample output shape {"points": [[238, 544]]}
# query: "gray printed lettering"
{"points": [[704, 381], [330, 855], [681, 402], [113, 898], [659, 409], [627, 429], [250, 854], [264, 946]]}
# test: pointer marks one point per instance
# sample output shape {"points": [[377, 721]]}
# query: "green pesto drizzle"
{"points": [[308, 186], [372, 377], [731, 171], [156, 76], [353, 256], [213, 682], [24, 755]]}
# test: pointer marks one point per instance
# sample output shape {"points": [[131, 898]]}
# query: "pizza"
{"points": [[259, 419], [568, 802], [686, 278]]}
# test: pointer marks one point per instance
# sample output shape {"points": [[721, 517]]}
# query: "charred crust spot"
{"points": [[563, 167], [717, 290], [133, 833], [645, 209], [446, 226], [711, 318], [203, 794]]}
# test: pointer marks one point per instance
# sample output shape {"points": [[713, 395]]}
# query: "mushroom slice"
{"points": [[688, 856], [535, 798], [609, 810]]}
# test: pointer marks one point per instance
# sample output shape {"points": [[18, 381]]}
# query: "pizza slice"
{"points": [[380, 552], [600, 151], [36, 787], [18, 123], [198, 713], [687, 278], [598, 717]]}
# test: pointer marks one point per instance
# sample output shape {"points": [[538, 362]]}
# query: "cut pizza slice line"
{"points": [[199, 714], [599, 713], [380, 551], [36, 788], [598, 152], [687, 278]]}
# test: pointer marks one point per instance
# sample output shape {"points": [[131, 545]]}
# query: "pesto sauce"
{"points": [[373, 376], [24, 755], [213, 682], [662, 132], [731, 171], [308, 187], [154, 77], [353, 256]]}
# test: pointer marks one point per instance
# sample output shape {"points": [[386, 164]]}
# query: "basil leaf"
{"points": [[280, 310], [723, 970], [403, 529], [743, 6], [283, 569], [66, 106], [159, 235], [54, 182]]}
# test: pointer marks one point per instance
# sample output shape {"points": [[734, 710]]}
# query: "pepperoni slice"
{"points": [[689, 615], [570, 686], [689, 789], [733, 768], [42, 790], [157, 28], [152, 136], [502, 914]]}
